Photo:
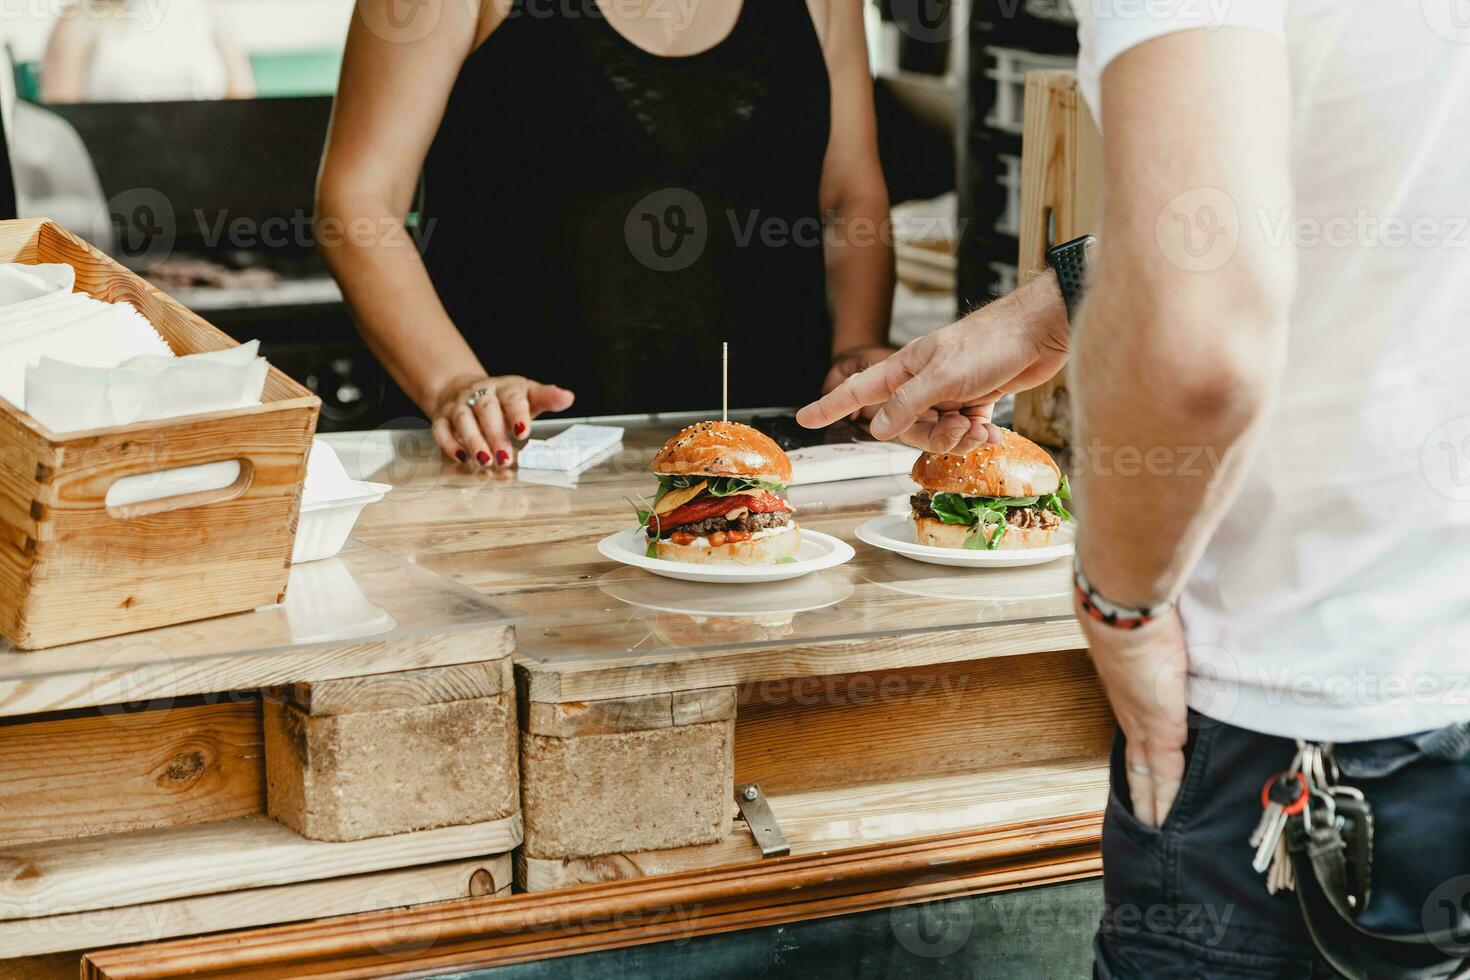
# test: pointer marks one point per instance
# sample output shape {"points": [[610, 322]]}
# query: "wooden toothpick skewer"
{"points": [[725, 381]]}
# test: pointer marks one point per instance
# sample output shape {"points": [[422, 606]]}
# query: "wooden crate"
{"points": [[73, 569], [1061, 199]]}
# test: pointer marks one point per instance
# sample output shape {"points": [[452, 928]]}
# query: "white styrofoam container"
{"points": [[325, 524]]}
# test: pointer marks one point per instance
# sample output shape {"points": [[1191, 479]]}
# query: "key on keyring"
{"points": [[1283, 797]]}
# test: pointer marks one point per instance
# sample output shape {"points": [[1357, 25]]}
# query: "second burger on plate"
{"points": [[721, 498], [1006, 495]]}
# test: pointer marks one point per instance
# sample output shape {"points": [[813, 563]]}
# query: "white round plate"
{"points": [[704, 599], [817, 551], [895, 532]]}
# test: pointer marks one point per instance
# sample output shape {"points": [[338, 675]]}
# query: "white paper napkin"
{"points": [[68, 397], [82, 331], [571, 450], [19, 282]]}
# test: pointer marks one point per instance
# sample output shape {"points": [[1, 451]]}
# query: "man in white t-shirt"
{"points": [[1271, 375]]}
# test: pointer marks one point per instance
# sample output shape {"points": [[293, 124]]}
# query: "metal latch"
{"points": [[762, 822]]}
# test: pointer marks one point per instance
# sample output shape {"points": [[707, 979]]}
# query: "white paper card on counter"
{"points": [[850, 461], [573, 449]]}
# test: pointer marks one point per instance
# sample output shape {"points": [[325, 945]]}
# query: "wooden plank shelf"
{"points": [[250, 907], [117, 870], [475, 933], [135, 773]]}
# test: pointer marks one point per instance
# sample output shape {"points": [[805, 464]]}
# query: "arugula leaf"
{"points": [[728, 485], [951, 508], [786, 560], [1000, 532], [723, 486], [1053, 501], [643, 513], [652, 550]]}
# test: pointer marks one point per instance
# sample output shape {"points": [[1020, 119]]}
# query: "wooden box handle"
{"points": [[184, 501]]}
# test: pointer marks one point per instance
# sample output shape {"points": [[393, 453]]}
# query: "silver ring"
{"points": [[479, 393], [1139, 769]]}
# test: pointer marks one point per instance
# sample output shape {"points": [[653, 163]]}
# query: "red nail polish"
{"points": [[520, 428], [483, 457], [461, 456], [502, 457]]}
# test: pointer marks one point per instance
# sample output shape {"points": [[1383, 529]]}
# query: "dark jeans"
{"points": [[1183, 901]]}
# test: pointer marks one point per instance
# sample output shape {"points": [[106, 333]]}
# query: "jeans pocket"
{"points": [[1202, 733]]}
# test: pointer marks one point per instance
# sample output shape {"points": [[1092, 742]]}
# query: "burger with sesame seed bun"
{"points": [[721, 498], [1003, 495]]}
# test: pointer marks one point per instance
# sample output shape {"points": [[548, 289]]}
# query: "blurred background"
{"points": [[183, 137]]}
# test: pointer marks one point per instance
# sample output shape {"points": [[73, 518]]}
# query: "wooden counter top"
{"points": [[363, 612], [589, 628]]}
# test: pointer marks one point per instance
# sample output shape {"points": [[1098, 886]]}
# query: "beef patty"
{"points": [[750, 523]]}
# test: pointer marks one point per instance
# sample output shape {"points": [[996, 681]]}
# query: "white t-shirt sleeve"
{"points": [[1107, 28]]}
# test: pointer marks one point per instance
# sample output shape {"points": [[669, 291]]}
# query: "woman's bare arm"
{"points": [[396, 81]]}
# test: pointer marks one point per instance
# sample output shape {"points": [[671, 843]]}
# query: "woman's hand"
{"points": [[853, 361], [502, 412]]}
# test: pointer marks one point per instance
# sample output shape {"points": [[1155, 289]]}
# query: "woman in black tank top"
{"points": [[600, 217]]}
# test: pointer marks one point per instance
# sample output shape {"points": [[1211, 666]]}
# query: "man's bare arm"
{"points": [[1181, 337], [1177, 353]]}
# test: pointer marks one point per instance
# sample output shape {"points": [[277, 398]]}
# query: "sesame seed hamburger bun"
{"points": [[1015, 467], [723, 449]]}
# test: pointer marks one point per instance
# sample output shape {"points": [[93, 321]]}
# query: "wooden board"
{"points": [[430, 622], [109, 772], [56, 966], [408, 689], [608, 677], [479, 933], [579, 719], [349, 895], [1061, 199], [63, 877], [885, 725], [829, 820]]}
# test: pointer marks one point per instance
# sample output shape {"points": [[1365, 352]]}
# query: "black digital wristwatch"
{"points": [[1069, 260]]}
